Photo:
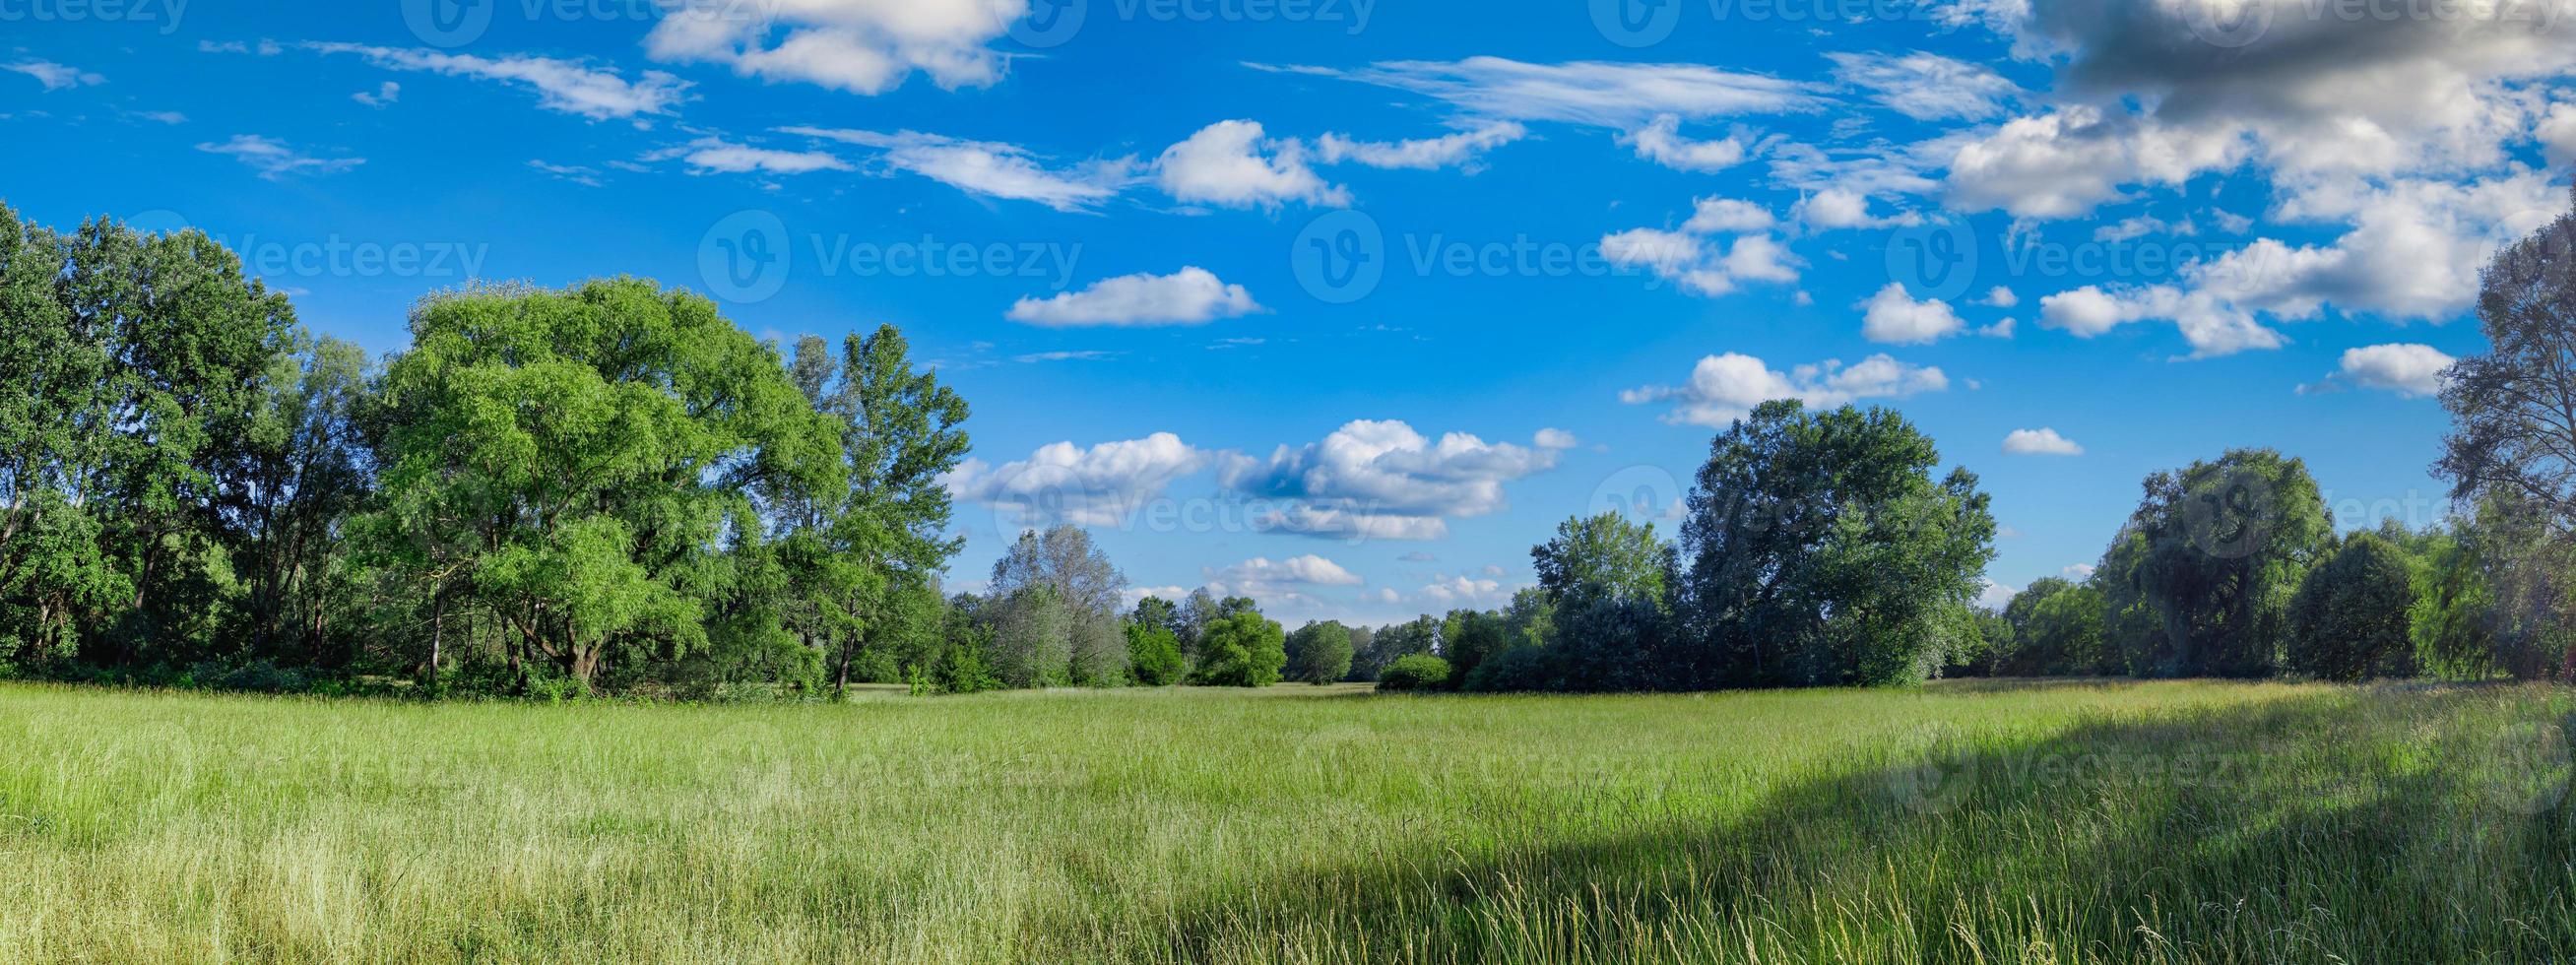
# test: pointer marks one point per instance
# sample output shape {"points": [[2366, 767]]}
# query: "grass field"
{"points": [[2061, 823]]}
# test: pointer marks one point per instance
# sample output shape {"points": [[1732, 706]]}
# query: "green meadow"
{"points": [[1960, 822]]}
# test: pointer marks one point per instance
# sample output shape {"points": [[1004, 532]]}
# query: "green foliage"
{"points": [[2199, 581], [1416, 671], [1822, 552], [1242, 650], [1154, 655], [1319, 653], [2350, 619]]}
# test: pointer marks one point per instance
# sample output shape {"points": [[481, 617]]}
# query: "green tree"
{"points": [[1243, 650], [1415, 671], [1319, 653], [1822, 551], [1154, 655], [571, 459], [2198, 583], [2350, 619]]}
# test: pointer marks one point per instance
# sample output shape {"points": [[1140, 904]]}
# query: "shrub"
{"points": [[1419, 671], [1154, 655]]}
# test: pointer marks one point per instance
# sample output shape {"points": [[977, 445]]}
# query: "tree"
{"points": [[1085, 585], [1604, 557], [2061, 634], [2511, 451], [1319, 653], [1822, 551], [569, 461], [2350, 620], [1032, 633], [1154, 655], [1243, 650], [300, 469], [1606, 595], [899, 436], [2198, 582], [1386, 644]]}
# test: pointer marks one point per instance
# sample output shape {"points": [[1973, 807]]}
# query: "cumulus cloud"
{"points": [[1661, 141], [1724, 388], [54, 76], [1728, 216], [1190, 296], [1464, 149], [1893, 317], [1267, 579], [385, 95], [1698, 261], [1835, 208], [275, 160], [859, 46], [1462, 591], [2040, 442], [1382, 479], [1232, 164], [989, 169], [2413, 371], [1064, 483], [1556, 439], [2000, 297], [1926, 87], [567, 86]]}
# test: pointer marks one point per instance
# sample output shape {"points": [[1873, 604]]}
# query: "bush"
{"points": [[1154, 655], [1419, 671]]}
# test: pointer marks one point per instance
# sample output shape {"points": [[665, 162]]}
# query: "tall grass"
{"points": [[2196, 822]]}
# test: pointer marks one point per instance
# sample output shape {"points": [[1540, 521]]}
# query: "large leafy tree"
{"points": [[1821, 550], [1319, 653], [135, 365], [573, 462], [299, 471], [2198, 582], [1243, 649], [1083, 643]]}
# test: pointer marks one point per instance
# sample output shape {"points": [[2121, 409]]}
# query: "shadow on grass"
{"points": [[2349, 825]]}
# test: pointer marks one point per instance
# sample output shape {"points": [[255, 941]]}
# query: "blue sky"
{"points": [[1346, 304]]}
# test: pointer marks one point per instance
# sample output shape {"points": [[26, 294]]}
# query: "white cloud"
{"points": [[567, 86], [275, 160], [2071, 160], [2000, 297], [1264, 578], [1556, 439], [2140, 226], [1892, 317], [1926, 87], [989, 169], [1835, 208], [1728, 216], [2040, 442], [709, 154], [54, 76], [383, 96], [1621, 96], [1464, 149], [1994, 596], [1724, 388], [577, 174], [1662, 142], [1463, 591], [2413, 371], [1190, 296], [1230, 164], [859, 46], [1384, 480], [1063, 483]]}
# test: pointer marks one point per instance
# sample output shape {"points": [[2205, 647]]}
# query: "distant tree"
{"points": [[1032, 636], [1604, 557], [1157, 613], [1415, 671], [299, 470], [1154, 654], [1468, 638], [1083, 589], [1386, 644], [2350, 618], [1243, 650], [1362, 638], [1607, 586], [2198, 582], [1822, 551], [2062, 634], [1319, 653]]}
